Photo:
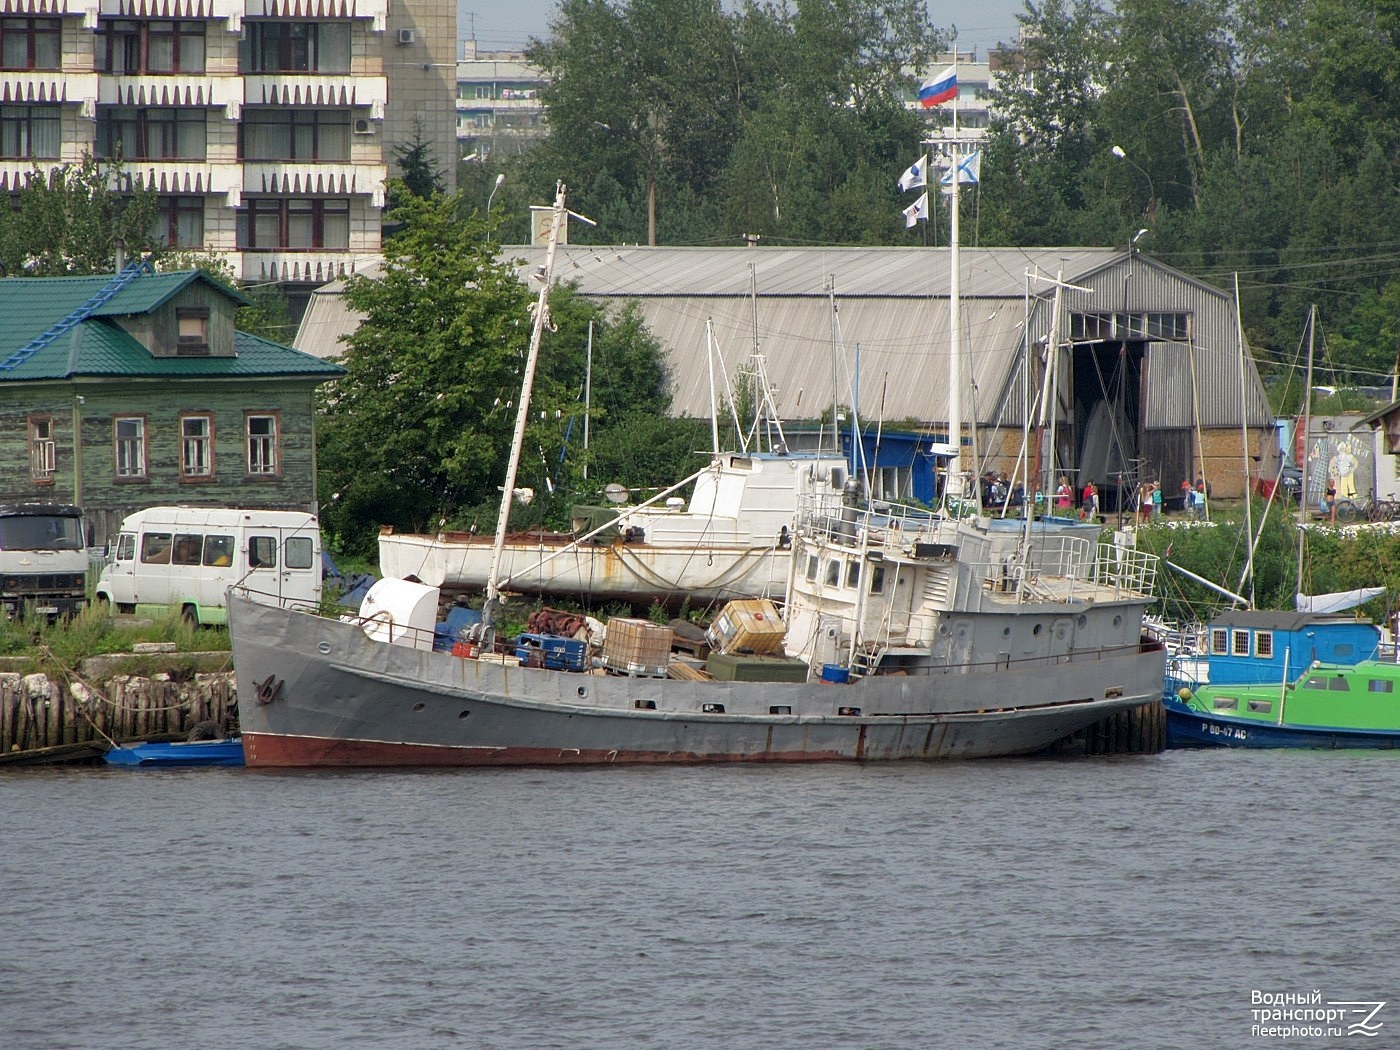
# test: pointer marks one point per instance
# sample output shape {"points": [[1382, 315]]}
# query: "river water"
{"points": [[1084, 903]]}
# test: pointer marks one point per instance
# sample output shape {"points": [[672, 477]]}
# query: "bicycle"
{"points": [[1366, 508]]}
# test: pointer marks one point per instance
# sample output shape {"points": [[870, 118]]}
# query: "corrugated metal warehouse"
{"points": [[1148, 388]]}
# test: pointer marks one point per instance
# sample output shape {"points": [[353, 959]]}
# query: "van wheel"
{"points": [[190, 617]]}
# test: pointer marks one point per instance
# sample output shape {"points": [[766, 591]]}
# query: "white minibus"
{"points": [[186, 558]]}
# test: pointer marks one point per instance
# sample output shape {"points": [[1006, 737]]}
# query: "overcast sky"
{"points": [[506, 25]]}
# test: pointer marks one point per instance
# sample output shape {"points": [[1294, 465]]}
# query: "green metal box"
{"points": [[734, 667]]}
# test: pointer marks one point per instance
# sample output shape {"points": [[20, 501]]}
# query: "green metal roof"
{"points": [[98, 347]]}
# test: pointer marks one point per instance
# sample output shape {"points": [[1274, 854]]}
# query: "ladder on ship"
{"points": [[104, 295], [866, 659]]}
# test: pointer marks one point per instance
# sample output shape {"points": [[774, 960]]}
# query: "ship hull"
{"points": [[1189, 728], [315, 692]]}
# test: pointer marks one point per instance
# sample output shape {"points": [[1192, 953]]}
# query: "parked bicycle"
{"points": [[1367, 508]]}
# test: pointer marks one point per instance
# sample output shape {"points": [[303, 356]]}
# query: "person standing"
{"points": [[1188, 499], [1090, 506], [1064, 496], [1156, 501], [1329, 500]]}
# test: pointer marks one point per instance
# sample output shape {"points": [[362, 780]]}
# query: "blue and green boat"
{"points": [[1353, 705]]}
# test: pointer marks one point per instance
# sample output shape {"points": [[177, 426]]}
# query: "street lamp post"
{"points": [[1151, 189], [499, 179]]}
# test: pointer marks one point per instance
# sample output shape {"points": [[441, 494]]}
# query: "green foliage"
{"points": [[68, 222], [421, 175], [418, 432], [94, 631]]}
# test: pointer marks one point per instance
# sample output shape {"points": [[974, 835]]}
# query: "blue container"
{"points": [[559, 654], [835, 674]]}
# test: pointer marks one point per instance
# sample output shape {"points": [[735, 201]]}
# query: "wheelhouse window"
{"points": [[179, 222], [295, 47], [1219, 641], [196, 447], [42, 453], [1239, 643], [30, 132], [31, 43], [268, 224], [129, 441], [159, 133], [293, 134], [129, 46], [1264, 644], [263, 457]]}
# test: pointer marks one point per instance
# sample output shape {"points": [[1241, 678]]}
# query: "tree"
{"points": [[421, 175], [419, 429], [71, 219]]}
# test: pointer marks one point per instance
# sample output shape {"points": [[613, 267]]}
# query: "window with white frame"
{"points": [[42, 454], [262, 445], [196, 446], [129, 446]]}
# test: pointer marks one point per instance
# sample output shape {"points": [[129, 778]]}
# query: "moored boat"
{"points": [[1329, 706], [178, 753]]}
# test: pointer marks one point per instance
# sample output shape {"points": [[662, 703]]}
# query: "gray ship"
{"points": [[958, 639]]}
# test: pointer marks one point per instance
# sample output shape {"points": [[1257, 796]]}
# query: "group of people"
{"points": [[1088, 502], [1150, 501]]}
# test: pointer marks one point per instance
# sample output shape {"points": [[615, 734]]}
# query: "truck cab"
{"points": [[43, 559]]}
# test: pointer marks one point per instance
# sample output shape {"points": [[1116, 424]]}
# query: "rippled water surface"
{"points": [[1086, 904]]}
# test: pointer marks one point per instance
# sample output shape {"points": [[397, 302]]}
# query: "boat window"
{"points": [[1219, 641], [1316, 683], [1342, 650], [1380, 685], [262, 552], [853, 574], [811, 568], [218, 550], [1226, 703], [1262, 707], [877, 579], [298, 552], [188, 547], [155, 548], [1339, 685], [833, 573], [1239, 643], [1264, 645]]}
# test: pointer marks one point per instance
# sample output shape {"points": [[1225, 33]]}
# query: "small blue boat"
{"points": [[184, 753]]}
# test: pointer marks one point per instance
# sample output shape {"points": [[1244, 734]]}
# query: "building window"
{"points": [[128, 46], [42, 457], [263, 458], [179, 222], [129, 439], [193, 322], [295, 47], [196, 447], [30, 43], [1088, 327], [30, 132], [270, 225], [151, 133], [292, 134]]}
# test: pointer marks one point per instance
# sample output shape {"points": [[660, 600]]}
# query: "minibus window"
{"points": [[298, 552], [155, 548], [262, 552], [126, 547], [187, 549], [218, 550]]}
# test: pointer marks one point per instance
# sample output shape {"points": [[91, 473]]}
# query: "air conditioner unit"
{"points": [[363, 127], [407, 36]]}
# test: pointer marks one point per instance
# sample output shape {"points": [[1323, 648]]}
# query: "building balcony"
{"points": [[315, 265], [317, 90], [231, 12], [29, 88], [177, 90], [53, 9], [375, 10], [309, 179], [185, 177]]}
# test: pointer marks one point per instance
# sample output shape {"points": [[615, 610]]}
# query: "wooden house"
{"points": [[119, 392]]}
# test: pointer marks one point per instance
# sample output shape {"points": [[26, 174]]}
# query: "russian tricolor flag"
{"points": [[939, 89]]}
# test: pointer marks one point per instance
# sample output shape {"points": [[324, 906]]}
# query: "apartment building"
{"points": [[498, 102], [266, 126]]}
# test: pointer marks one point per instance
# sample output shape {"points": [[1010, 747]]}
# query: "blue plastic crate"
{"points": [[560, 654]]}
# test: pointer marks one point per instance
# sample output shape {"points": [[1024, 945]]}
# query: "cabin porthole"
{"points": [[1082, 621], [324, 648], [582, 691], [1037, 629], [1118, 621], [463, 714], [418, 707], [1006, 632]]}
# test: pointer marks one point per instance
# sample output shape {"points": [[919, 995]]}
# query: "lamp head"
{"points": [[1139, 235], [500, 179], [1118, 152]]}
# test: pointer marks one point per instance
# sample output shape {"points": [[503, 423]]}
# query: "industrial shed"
{"points": [[1152, 383]]}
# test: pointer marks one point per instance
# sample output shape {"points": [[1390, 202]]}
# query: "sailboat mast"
{"points": [[955, 468], [1307, 427], [522, 414]]}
